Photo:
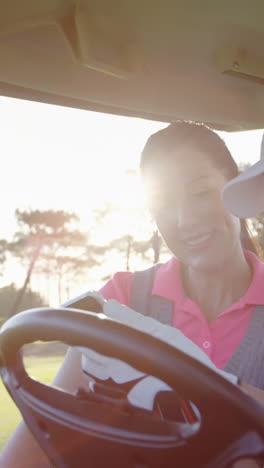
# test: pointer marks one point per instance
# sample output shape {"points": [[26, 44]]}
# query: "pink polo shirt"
{"points": [[219, 338]]}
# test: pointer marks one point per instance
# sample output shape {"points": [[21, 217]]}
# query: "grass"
{"points": [[41, 368]]}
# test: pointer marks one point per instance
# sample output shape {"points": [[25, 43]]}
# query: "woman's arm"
{"points": [[22, 451]]}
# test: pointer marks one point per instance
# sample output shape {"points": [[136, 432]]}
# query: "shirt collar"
{"points": [[168, 283]]}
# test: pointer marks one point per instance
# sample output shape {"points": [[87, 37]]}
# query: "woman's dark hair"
{"points": [[183, 134]]}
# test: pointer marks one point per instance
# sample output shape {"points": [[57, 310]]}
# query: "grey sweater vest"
{"points": [[247, 362]]}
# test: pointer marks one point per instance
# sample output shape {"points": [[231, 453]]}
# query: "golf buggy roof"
{"points": [[154, 59]]}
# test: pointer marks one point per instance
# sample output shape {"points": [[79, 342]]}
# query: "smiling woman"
{"points": [[211, 274]]}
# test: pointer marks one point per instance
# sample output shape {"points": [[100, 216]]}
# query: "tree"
{"points": [[44, 235], [153, 244], [68, 268], [149, 249], [243, 166], [257, 232], [3, 252], [30, 299], [124, 245]]}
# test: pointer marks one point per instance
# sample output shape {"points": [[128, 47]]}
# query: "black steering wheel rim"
{"points": [[197, 383]]}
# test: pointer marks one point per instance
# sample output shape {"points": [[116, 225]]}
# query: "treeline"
{"points": [[51, 244], [8, 294]]}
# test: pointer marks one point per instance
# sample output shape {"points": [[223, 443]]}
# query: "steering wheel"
{"points": [[75, 430]]}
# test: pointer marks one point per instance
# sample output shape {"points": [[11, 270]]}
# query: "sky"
{"points": [[62, 158]]}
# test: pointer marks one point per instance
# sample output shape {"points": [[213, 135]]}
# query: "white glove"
{"points": [[168, 334], [144, 392]]}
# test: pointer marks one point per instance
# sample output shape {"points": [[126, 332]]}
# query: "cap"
{"points": [[244, 195]]}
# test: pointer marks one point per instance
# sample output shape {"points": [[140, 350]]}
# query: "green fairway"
{"points": [[41, 368]]}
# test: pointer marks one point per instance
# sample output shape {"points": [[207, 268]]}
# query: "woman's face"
{"points": [[185, 200]]}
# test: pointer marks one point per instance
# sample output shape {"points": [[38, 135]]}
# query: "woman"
{"points": [[213, 275]]}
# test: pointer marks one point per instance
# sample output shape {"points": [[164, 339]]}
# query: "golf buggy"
{"points": [[157, 60]]}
